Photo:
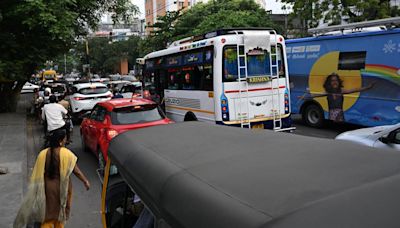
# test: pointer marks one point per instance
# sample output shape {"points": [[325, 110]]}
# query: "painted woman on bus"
{"points": [[334, 91]]}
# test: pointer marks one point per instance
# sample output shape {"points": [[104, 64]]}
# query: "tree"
{"points": [[218, 14], [334, 11], [105, 56], [164, 29], [37, 30], [205, 17]]}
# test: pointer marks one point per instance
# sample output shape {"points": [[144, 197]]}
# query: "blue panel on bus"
{"points": [[209, 56], [365, 67], [149, 64], [173, 61], [193, 58]]}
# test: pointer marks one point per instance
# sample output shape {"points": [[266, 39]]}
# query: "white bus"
{"points": [[233, 77]]}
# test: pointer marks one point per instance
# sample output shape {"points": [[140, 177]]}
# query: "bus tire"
{"points": [[190, 116], [313, 116]]}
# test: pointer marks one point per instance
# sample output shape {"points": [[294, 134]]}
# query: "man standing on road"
{"points": [[54, 113]]}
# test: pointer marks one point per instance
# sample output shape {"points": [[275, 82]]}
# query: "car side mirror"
{"points": [[86, 115]]}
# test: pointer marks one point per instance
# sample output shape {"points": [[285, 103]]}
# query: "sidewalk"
{"points": [[13, 155]]}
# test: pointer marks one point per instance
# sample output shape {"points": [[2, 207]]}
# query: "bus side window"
{"points": [[207, 78], [173, 81], [281, 65], [230, 71], [191, 79]]}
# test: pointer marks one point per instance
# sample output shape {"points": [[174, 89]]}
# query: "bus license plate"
{"points": [[257, 126]]}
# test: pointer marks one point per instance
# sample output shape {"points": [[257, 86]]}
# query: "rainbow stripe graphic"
{"points": [[382, 71]]}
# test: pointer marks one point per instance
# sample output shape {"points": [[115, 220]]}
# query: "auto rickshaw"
{"points": [[197, 175]]}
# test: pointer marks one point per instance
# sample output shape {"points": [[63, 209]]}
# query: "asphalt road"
{"points": [[329, 130], [85, 210]]}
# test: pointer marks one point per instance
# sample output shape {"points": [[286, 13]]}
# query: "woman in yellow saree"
{"points": [[48, 199]]}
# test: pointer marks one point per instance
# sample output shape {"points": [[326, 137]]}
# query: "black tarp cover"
{"points": [[201, 175]]}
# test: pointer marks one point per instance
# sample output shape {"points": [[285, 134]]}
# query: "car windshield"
{"points": [[136, 114], [94, 90]]}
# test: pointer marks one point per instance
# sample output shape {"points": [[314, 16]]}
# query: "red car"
{"points": [[110, 118]]}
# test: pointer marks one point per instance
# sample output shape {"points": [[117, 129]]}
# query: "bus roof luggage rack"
{"points": [[388, 22], [218, 32]]}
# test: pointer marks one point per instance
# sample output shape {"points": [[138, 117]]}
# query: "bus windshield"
{"points": [[258, 64]]}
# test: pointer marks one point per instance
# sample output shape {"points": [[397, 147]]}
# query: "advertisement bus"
{"points": [[234, 77], [351, 77]]}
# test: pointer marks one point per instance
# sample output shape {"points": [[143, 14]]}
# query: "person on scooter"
{"points": [[54, 113]]}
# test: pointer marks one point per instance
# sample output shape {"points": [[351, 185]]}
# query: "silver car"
{"points": [[387, 136]]}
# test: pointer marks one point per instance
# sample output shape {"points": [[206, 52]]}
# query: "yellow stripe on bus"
{"points": [[189, 109]]}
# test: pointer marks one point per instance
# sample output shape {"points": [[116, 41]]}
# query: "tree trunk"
{"points": [[9, 94]]}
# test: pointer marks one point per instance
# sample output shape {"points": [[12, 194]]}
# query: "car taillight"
{"points": [[111, 133], [286, 98], [224, 108], [79, 98]]}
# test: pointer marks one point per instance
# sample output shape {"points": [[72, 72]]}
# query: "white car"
{"points": [[116, 84], [29, 87], [86, 95], [387, 136], [128, 90]]}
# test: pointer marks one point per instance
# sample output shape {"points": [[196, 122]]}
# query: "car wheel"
{"points": [[83, 144], [313, 116]]}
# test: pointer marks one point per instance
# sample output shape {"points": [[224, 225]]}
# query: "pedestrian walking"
{"points": [[49, 195]]}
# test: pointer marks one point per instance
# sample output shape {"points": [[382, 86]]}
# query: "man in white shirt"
{"points": [[54, 113]]}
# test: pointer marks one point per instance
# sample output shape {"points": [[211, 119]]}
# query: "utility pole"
{"points": [[65, 64], [87, 57]]}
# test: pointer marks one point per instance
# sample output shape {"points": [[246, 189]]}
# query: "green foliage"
{"points": [[33, 31], [203, 18], [105, 56], [218, 14], [333, 11]]}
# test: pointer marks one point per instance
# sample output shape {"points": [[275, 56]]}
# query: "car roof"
{"points": [[124, 102], [118, 82], [88, 85], [196, 174]]}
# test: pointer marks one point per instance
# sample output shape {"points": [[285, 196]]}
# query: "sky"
{"points": [[271, 5]]}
